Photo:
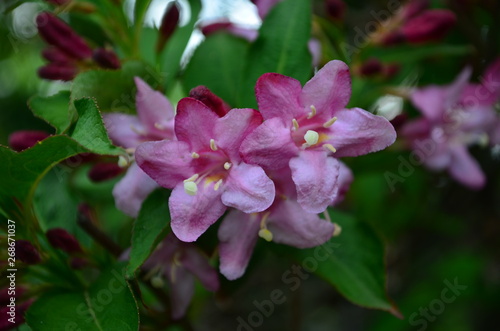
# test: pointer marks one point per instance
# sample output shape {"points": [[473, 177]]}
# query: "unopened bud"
{"points": [[414, 7], [393, 38], [58, 71], [431, 25], [26, 252], [57, 33], [21, 140], [168, 25], [335, 9], [9, 322], [106, 58], [62, 239], [216, 104], [5, 296], [104, 171], [371, 67], [53, 54]]}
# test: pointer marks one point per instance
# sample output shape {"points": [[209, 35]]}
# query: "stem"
{"points": [[99, 236]]}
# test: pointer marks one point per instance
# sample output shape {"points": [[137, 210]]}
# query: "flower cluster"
{"points": [[276, 168], [455, 117]]}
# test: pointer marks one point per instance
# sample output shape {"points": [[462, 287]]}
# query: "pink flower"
{"points": [[154, 121], [455, 117], [205, 169], [305, 127]]}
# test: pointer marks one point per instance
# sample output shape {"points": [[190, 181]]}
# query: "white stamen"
{"points": [[295, 125], [312, 113], [123, 161], [330, 148], [227, 165], [330, 122], [192, 178], [266, 234], [195, 155], [157, 282], [337, 230], [217, 185], [311, 137], [190, 188], [213, 146]]}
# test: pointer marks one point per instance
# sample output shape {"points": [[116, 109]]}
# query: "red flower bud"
{"points": [[203, 94], [104, 171], [58, 71], [53, 54], [5, 296], [62, 239], [393, 38], [106, 58], [168, 25], [5, 324], [209, 29], [20, 140], [335, 9], [414, 7], [431, 25], [370, 67], [26, 252], [398, 121], [57, 33]]}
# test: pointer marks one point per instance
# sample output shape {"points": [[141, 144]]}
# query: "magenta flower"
{"points": [[179, 263], [305, 127], [455, 117], [154, 121], [205, 169], [285, 222]]}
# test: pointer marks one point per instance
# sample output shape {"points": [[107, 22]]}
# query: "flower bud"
{"points": [[58, 71], [216, 104], [168, 25], [335, 9], [431, 25], [5, 324], [371, 67], [393, 38], [26, 252], [21, 140], [414, 7], [5, 296], [104, 171], [53, 54], [62, 239], [57, 33], [106, 58]]}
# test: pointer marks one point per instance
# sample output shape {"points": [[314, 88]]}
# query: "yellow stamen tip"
{"points": [[312, 113], [330, 122], [218, 184], [227, 165], [337, 231], [195, 155], [330, 148], [295, 124], [190, 188], [266, 234], [311, 137], [123, 161], [213, 146]]}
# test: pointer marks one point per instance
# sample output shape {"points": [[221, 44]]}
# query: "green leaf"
{"points": [[412, 53], [140, 9], [113, 90], [54, 110], [149, 229], [170, 57], [217, 63], [108, 304], [281, 46], [90, 131], [354, 264]]}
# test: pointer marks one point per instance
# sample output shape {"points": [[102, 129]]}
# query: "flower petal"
{"points": [[329, 90], [131, 191], [154, 111], [315, 176], [194, 123], [167, 162], [123, 129], [359, 132], [270, 145], [248, 189], [431, 101], [278, 96], [238, 234], [193, 215], [465, 169], [235, 126], [292, 225], [182, 290], [345, 179], [197, 263]]}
